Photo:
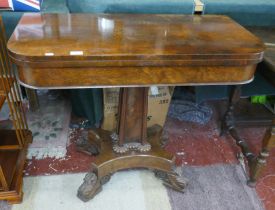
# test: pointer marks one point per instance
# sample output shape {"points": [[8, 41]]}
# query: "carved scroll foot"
{"points": [[91, 186], [89, 143], [172, 179], [105, 179], [109, 162]]}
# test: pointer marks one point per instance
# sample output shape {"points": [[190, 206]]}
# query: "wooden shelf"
{"points": [[14, 194], [8, 163], [2, 100], [2, 91], [8, 140], [11, 166], [12, 154]]}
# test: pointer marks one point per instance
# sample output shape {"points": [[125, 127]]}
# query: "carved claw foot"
{"points": [[172, 179], [105, 179], [89, 188], [89, 143]]}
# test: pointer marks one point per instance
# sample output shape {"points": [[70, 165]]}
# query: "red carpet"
{"points": [[193, 144]]}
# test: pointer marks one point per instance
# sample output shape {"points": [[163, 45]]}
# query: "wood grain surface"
{"points": [[74, 50]]}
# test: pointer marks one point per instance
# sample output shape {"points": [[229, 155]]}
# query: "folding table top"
{"points": [[116, 39], [107, 50]]}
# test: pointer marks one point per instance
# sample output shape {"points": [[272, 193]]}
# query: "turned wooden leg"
{"points": [[228, 119], [257, 164], [228, 124]]}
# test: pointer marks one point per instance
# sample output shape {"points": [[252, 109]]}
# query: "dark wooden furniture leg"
{"points": [[33, 99], [255, 162], [229, 124], [132, 147]]}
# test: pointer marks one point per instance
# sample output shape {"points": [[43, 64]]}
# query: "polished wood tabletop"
{"points": [[168, 49], [131, 51], [267, 35]]}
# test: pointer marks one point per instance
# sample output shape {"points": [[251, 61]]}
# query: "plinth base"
{"points": [[108, 162]]}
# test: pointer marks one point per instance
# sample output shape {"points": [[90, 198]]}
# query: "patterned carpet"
{"points": [[219, 187], [49, 126]]}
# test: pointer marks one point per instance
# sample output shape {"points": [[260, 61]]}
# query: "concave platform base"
{"points": [[109, 162]]}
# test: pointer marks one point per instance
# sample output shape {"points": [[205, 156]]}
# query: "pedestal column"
{"points": [[132, 146]]}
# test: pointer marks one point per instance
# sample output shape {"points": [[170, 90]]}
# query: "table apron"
{"points": [[91, 77]]}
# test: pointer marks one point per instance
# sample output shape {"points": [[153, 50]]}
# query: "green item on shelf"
{"points": [[258, 99]]}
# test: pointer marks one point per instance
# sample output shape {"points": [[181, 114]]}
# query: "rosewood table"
{"points": [[133, 52]]}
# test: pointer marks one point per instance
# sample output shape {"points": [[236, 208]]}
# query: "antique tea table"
{"points": [[133, 52]]}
